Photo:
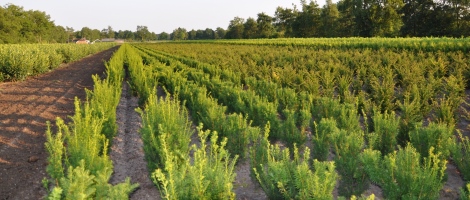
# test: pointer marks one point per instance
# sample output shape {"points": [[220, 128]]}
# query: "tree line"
{"points": [[32, 26], [348, 18]]}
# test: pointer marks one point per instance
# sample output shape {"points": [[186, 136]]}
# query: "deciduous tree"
{"points": [[330, 20], [265, 26], [235, 28], [283, 20], [250, 29]]}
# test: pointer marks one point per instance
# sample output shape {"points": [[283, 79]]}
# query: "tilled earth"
{"points": [[25, 107]]}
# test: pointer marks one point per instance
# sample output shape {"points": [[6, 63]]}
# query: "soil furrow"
{"points": [[127, 150]]}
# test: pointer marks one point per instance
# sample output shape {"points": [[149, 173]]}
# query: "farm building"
{"points": [[82, 41]]}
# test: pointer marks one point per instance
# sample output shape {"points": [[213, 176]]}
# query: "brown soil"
{"points": [[24, 109], [127, 151]]}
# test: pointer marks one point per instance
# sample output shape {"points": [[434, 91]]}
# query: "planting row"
{"points": [[413, 44], [240, 134], [78, 162], [333, 136], [361, 148], [18, 61]]}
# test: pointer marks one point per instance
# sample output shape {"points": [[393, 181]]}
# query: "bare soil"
{"points": [[127, 150], [24, 109]]}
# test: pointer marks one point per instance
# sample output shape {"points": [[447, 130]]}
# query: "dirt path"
{"points": [[24, 109], [127, 151]]}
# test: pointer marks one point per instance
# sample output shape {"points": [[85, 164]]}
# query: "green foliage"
{"points": [[209, 176], [258, 152], [411, 117], [344, 83], [446, 109], [438, 136], [78, 160], [164, 116], [290, 133], [384, 137], [464, 192], [105, 98], [55, 148], [402, 174], [17, 62], [143, 81], [325, 108], [56, 194], [287, 83], [85, 141], [104, 190], [347, 148], [321, 138], [460, 152], [28, 26], [303, 119], [383, 90], [284, 178], [241, 133], [80, 184]]}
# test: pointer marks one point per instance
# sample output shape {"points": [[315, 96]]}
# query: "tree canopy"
{"points": [[20, 26]]}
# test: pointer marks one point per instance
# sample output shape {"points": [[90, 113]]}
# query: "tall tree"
{"points": [[127, 35], [95, 34], [307, 22], [180, 34], [10, 18], [39, 25], [283, 20], [32, 26], [153, 36], [163, 36], [209, 34], [59, 34], [219, 33], [250, 28], [265, 26], [110, 32], [460, 17], [415, 15], [235, 28], [362, 16], [142, 32], [199, 34], [85, 33], [385, 18], [330, 20], [347, 19], [192, 34], [69, 33]]}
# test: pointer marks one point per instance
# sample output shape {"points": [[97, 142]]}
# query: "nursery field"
{"points": [[346, 118], [316, 118]]}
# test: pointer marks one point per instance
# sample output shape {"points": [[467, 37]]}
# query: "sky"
{"points": [[157, 15]]}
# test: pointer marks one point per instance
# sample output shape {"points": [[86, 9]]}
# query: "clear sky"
{"points": [[157, 15]]}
